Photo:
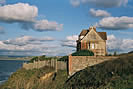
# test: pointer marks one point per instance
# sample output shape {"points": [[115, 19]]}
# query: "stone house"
{"points": [[90, 39]]}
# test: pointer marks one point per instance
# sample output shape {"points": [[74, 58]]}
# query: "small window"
{"points": [[93, 46], [89, 46]]}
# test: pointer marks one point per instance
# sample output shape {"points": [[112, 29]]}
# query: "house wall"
{"points": [[99, 47], [77, 63], [93, 38]]}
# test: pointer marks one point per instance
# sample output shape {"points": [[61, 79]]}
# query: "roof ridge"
{"points": [[103, 35]]}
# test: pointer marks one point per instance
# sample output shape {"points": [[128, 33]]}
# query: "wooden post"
{"points": [[70, 64], [56, 66]]}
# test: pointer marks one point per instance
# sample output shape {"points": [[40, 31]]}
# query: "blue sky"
{"points": [[50, 27]]}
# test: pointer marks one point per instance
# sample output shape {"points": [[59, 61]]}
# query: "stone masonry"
{"points": [[77, 63], [58, 65]]}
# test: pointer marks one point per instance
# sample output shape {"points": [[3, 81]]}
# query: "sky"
{"points": [[51, 27]]}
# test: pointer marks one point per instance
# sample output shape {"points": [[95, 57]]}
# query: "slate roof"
{"points": [[103, 35], [84, 32]]}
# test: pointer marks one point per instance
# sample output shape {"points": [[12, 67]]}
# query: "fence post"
{"points": [[69, 64], [56, 65]]}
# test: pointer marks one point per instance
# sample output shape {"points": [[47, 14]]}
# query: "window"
{"points": [[89, 46], [93, 46]]}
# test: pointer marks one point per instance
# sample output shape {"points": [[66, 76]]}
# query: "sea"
{"points": [[7, 67]]}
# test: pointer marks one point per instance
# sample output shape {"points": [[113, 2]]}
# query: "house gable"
{"points": [[92, 35], [92, 40]]}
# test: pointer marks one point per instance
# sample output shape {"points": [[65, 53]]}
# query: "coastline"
{"points": [[8, 66], [14, 59]]}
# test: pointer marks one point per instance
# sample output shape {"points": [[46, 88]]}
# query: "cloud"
{"points": [[107, 3], [2, 30], [69, 44], [103, 3], [26, 15], [70, 41], [33, 46], [99, 13], [6, 49], [45, 25], [42, 25], [113, 43], [59, 51], [19, 12], [75, 3], [119, 45], [21, 41], [115, 23], [72, 38], [27, 45], [126, 33], [2, 2]]}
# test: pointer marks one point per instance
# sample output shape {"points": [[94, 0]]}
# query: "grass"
{"points": [[30, 79], [41, 58], [63, 58], [114, 74]]}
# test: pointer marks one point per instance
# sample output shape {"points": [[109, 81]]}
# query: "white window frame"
{"points": [[93, 46]]}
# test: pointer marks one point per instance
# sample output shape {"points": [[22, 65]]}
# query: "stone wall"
{"points": [[58, 65], [77, 63], [61, 65]]}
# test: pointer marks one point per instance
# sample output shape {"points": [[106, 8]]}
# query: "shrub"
{"points": [[115, 54], [40, 58], [64, 58], [130, 52], [34, 59], [83, 53], [109, 54]]}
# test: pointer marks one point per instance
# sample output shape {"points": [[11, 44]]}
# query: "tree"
{"points": [[115, 53]]}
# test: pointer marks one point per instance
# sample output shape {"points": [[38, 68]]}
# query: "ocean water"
{"points": [[7, 67]]}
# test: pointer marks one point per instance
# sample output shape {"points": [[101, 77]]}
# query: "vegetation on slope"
{"points": [[64, 58], [114, 74], [83, 53], [40, 58], [31, 79], [78, 53]]}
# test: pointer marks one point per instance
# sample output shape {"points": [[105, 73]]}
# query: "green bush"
{"points": [[115, 53], [34, 59], [130, 52], [64, 58], [83, 53], [40, 58]]}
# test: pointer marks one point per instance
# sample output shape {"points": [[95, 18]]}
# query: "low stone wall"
{"points": [[61, 65], [77, 63], [58, 65]]}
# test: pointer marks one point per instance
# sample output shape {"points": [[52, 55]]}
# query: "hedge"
{"points": [[83, 53]]}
